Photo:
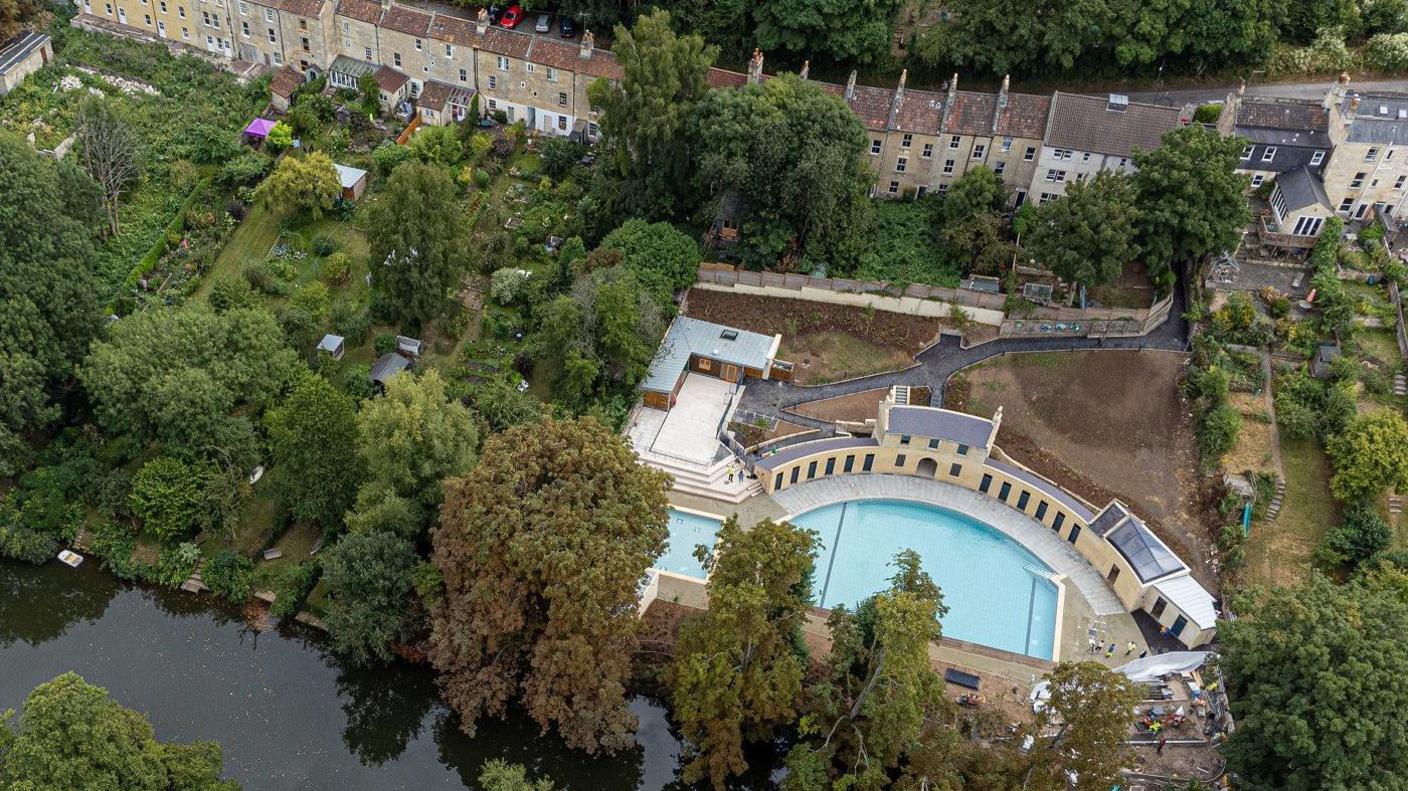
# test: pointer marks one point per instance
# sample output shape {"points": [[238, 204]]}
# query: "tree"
{"points": [[177, 376], [168, 495], [542, 547], [841, 30], [793, 154], [417, 243], [739, 665], [663, 259], [1313, 679], [313, 437], [109, 151], [73, 736], [413, 437], [643, 170], [302, 185], [500, 775], [229, 574], [368, 578], [1361, 534], [370, 92], [979, 191], [1088, 236], [879, 696], [436, 145], [1370, 454], [502, 405], [1190, 198], [1090, 710]]}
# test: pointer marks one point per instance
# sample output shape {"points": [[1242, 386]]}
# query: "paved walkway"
{"points": [[1061, 557], [945, 358]]}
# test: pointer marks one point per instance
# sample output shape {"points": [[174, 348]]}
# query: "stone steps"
{"points": [[1274, 510], [1400, 385]]}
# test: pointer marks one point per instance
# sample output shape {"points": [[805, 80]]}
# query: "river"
{"points": [[288, 713]]}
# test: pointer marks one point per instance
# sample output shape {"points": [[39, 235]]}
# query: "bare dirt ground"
{"points": [[1103, 424], [751, 434], [854, 407], [825, 342]]}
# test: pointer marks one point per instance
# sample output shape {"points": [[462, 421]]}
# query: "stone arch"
{"points": [[927, 468]]}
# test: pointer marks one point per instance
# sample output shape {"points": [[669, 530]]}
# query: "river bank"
{"points": [[288, 713]]}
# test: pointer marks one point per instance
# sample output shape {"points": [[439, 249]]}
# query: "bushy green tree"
{"points": [[1361, 534], [663, 259], [418, 251], [1088, 235], [414, 437], [168, 495], [541, 547], [369, 587], [301, 185], [738, 668], [1083, 728], [73, 736], [229, 574], [436, 145], [500, 775], [313, 437], [840, 30], [1369, 455]]}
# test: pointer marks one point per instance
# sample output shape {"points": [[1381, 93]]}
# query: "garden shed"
{"points": [[353, 180], [286, 80], [332, 345], [387, 367]]}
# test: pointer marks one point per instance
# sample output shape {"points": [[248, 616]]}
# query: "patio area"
{"points": [[689, 431]]}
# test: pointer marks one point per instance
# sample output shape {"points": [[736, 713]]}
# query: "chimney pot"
{"points": [[588, 45], [806, 69], [851, 86], [755, 67]]}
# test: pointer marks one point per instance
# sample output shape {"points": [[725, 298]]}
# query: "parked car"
{"points": [[567, 28], [512, 17], [544, 23], [496, 12]]}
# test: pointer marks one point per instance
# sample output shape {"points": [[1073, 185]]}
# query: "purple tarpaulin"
{"points": [[259, 127]]}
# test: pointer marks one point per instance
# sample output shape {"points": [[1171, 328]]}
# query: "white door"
{"points": [[122, 16], [161, 28]]}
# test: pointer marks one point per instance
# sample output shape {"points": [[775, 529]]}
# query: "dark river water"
{"points": [[288, 713]]}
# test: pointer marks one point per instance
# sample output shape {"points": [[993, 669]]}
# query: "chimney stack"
{"points": [[953, 89], [851, 86], [806, 69], [897, 100], [588, 46], [385, 5], [1001, 102], [481, 22], [755, 67]]}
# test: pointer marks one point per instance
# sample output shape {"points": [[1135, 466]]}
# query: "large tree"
{"points": [[369, 588], [418, 250], [1082, 728], [1369, 455], [643, 116], [178, 376], [879, 696], [109, 150], [301, 185], [542, 547], [1190, 198], [313, 436], [1088, 235], [663, 259], [414, 437], [793, 154], [48, 295], [1315, 679], [73, 736], [738, 667], [856, 31]]}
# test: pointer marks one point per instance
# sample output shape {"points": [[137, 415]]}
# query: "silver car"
{"points": [[544, 23]]}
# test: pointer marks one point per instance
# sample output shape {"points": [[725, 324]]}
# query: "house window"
{"points": [[367, 52], [986, 483], [278, 59], [1085, 157], [1006, 144], [562, 123], [1030, 154], [894, 188], [849, 465], [1058, 521], [530, 68], [900, 164], [869, 462], [1158, 608], [303, 25], [1000, 167], [1257, 179], [271, 35], [1056, 176], [942, 188], [181, 11], [899, 460], [923, 190], [1317, 157], [1041, 511], [1346, 203], [503, 63], [1398, 183], [163, 6], [1113, 575], [244, 28], [948, 166], [1308, 226], [1358, 181], [928, 150], [933, 444], [953, 141], [552, 74], [962, 449], [1075, 533], [186, 33], [830, 466], [955, 470], [1372, 154], [979, 150], [796, 472], [777, 482], [1022, 500], [346, 27], [418, 45], [1247, 152], [244, 9], [1004, 491], [305, 45], [396, 59], [1046, 197], [449, 50], [904, 439], [493, 83], [464, 76], [875, 147], [268, 15], [906, 141], [493, 105], [147, 19], [562, 99], [1268, 154], [811, 471]]}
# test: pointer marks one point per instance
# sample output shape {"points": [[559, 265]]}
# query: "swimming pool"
{"points": [[997, 592], [688, 529]]}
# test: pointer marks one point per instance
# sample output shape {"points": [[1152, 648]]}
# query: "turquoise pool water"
{"points": [[686, 531], [988, 580]]}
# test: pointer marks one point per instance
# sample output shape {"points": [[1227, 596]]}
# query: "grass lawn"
{"points": [[1380, 344], [256, 523], [249, 244], [1279, 552], [295, 543]]}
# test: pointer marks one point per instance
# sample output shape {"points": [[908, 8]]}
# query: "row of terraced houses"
{"points": [[1335, 156]]}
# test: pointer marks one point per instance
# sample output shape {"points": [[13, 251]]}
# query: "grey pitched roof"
{"points": [[1189, 596], [1379, 118], [1084, 123], [688, 336], [1302, 188], [803, 449], [1147, 555], [18, 47], [931, 422], [387, 366], [1046, 487], [1284, 122]]}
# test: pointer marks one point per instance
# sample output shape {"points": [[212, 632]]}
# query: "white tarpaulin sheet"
{"points": [[1152, 668]]}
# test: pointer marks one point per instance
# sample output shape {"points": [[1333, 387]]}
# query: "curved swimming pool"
{"points": [[998, 593]]}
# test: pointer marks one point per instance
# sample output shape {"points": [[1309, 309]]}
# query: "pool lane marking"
{"points": [[835, 544], [1031, 607]]}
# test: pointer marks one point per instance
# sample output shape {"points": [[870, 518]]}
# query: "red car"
{"points": [[512, 17]]}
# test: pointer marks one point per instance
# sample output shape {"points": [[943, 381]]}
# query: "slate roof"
{"points": [[286, 81], [688, 336], [1083, 123], [1024, 116], [971, 114], [1302, 188], [920, 112], [803, 449], [361, 10], [18, 47], [390, 80], [872, 105], [404, 19], [1189, 596], [1381, 118], [1147, 555], [387, 366], [923, 421], [1273, 113], [1046, 487], [568, 57]]}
